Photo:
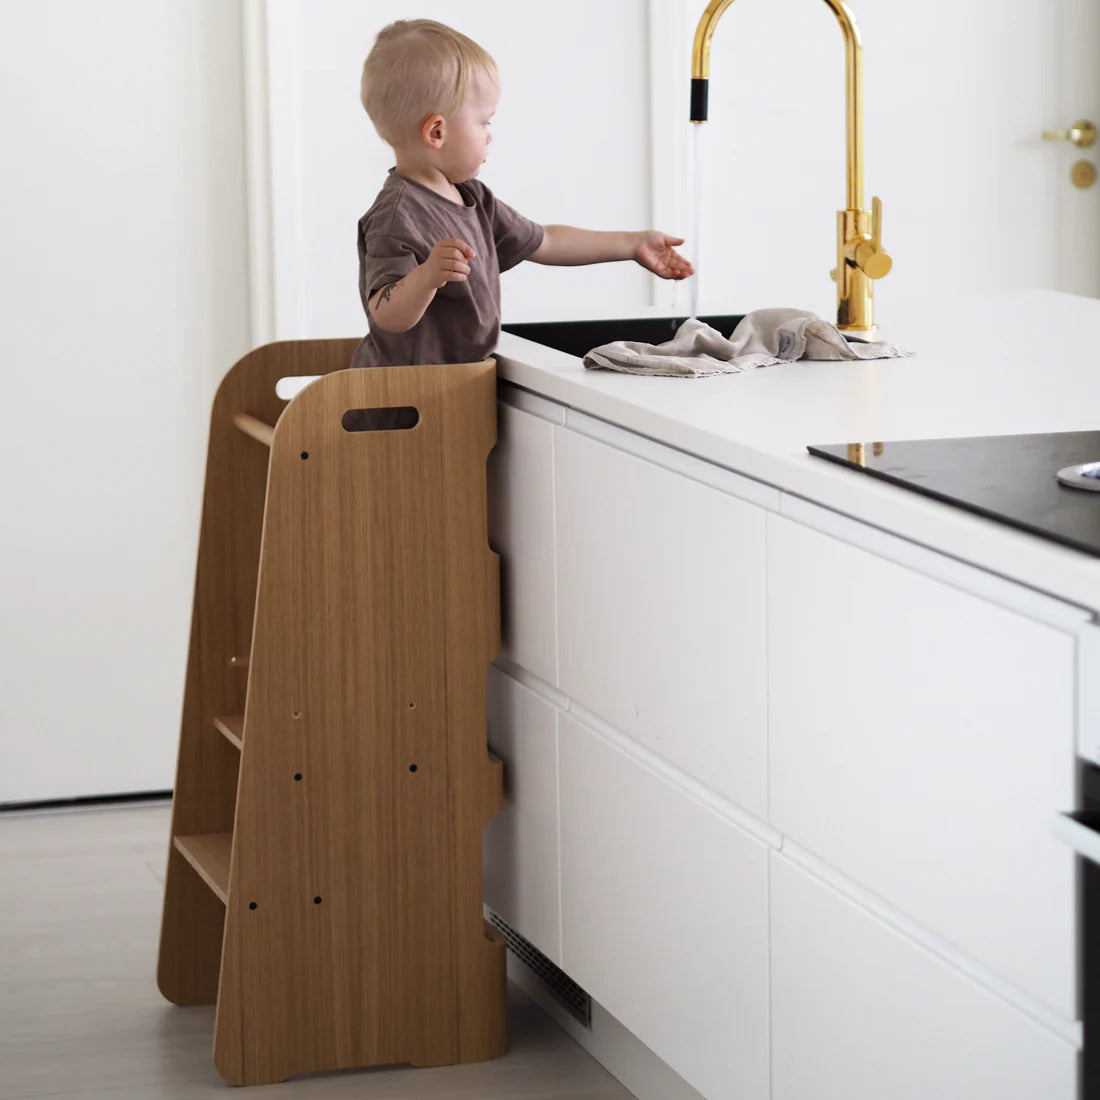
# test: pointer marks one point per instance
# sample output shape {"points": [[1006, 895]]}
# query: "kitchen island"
{"points": [[784, 744]]}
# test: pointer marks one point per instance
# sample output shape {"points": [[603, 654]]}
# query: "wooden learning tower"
{"points": [[324, 884]]}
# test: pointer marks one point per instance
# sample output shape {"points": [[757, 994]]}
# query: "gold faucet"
{"points": [[860, 255]]}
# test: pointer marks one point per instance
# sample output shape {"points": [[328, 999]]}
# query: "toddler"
{"points": [[433, 245]]}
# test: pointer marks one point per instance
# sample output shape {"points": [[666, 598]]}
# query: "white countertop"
{"points": [[1004, 364]]}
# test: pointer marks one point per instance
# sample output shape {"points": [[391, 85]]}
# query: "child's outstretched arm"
{"points": [[398, 306], [566, 245]]}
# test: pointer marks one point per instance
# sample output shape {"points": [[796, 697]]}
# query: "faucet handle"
{"points": [[872, 258]]}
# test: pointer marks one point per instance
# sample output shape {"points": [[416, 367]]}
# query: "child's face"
{"points": [[468, 132]]}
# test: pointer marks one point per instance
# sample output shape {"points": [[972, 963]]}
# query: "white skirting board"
{"points": [[615, 1048]]}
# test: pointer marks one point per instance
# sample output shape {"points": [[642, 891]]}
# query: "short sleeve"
{"points": [[383, 260], [516, 237]]}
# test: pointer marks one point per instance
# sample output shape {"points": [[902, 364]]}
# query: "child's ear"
{"points": [[433, 130]]}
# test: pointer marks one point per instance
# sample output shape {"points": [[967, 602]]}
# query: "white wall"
{"points": [[571, 144], [125, 297]]}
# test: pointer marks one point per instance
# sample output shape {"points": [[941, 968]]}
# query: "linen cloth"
{"points": [[762, 338]]}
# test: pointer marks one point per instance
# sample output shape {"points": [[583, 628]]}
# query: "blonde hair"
{"points": [[417, 68]]}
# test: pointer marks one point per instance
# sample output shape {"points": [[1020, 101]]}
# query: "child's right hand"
{"points": [[447, 262]]}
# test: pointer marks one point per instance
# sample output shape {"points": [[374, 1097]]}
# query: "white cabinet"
{"points": [[901, 736], [521, 842], [861, 1013], [921, 741], [661, 612], [521, 530], [664, 916]]}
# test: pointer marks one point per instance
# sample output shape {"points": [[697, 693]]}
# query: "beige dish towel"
{"points": [[763, 337]]}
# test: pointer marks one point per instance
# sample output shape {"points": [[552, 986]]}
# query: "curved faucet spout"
{"points": [[853, 98], [860, 256]]}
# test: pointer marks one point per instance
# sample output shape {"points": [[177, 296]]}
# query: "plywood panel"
{"points": [[354, 933], [221, 632]]}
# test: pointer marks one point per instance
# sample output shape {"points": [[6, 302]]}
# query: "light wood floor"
{"points": [[80, 1015]]}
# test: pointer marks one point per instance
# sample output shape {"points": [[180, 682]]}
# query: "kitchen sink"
{"points": [[580, 337]]}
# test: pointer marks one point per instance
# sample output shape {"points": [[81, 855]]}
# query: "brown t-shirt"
{"points": [[462, 322]]}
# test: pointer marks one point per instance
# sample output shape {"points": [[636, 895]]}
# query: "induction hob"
{"points": [[1010, 478]]}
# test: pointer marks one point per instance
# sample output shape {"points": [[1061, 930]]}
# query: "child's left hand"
{"points": [[654, 252]]}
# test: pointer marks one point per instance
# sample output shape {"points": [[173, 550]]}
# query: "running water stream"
{"points": [[696, 254]]}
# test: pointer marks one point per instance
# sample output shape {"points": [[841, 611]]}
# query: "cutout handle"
{"points": [[292, 384], [399, 418]]}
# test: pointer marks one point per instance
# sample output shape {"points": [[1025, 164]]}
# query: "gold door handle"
{"points": [[1082, 134]]}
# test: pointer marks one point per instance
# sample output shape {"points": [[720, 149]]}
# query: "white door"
{"points": [[125, 297], [957, 94]]}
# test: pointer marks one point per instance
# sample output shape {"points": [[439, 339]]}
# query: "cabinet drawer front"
{"points": [[664, 916], [861, 1013], [661, 612], [521, 842], [921, 740], [521, 530]]}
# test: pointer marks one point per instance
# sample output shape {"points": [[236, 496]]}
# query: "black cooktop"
{"points": [[1009, 478]]}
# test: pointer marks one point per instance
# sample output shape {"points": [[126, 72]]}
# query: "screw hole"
{"points": [[296, 714], [305, 455], [412, 706], [412, 767], [297, 777], [317, 901], [251, 905]]}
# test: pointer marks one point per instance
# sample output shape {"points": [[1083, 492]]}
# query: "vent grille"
{"points": [[558, 984]]}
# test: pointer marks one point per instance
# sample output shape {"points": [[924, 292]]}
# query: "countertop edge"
{"points": [[1042, 565]]}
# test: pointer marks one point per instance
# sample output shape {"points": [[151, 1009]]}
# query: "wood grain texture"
{"points": [[353, 929], [472, 586], [192, 926], [231, 728], [257, 429], [221, 629], [208, 854]]}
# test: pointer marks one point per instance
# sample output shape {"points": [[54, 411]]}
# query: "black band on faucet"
{"points": [[699, 99]]}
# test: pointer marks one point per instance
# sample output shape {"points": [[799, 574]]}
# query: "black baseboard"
{"points": [[88, 802]]}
